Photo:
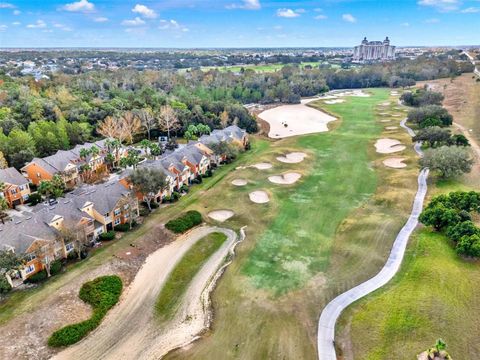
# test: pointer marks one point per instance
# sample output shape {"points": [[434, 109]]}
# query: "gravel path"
{"points": [[330, 314], [130, 331]]}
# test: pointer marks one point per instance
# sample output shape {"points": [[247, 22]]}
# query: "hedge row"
{"points": [[102, 294], [184, 222]]}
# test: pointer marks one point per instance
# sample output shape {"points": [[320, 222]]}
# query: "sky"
{"points": [[236, 23]]}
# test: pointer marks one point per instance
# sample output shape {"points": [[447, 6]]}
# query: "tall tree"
{"points": [[449, 161], [147, 119], [168, 120], [148, 182]]}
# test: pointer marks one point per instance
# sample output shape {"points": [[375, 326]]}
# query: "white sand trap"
{"points": [[292, 158], [385, 120], [292, 120], [285, 179], [396, 163], [383, 113], [391, 128], [221, 215], [388, 146], [396, 115], [262, 166], [336, 101], [239, 182], [259, 197], [386, 103]]}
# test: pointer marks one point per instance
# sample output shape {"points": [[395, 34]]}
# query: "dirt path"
{"points": [[129, 331], [471, 139]]}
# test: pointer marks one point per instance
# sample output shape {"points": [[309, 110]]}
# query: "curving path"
{"points": [[130, 331], [330, 314]]}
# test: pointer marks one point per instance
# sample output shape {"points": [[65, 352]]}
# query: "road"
{"points": [[130, 330], [330, 314]]}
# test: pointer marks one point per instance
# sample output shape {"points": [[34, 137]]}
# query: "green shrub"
{"points": [[184, 188], [38, 277], [175, 196], [110, 235], [34, 199], [4, 285], [55, 267], [72, 255], [122, 227], [144, 212], [184, 222], [102, 294]]}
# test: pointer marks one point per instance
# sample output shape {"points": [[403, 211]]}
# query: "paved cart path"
{"points": [[330, 314]]}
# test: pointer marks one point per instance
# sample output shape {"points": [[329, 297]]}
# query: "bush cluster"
{"points": [[184, 222], [422, 97], [38, 277], [110, 235], [102, 294], [451, 214], [122, 227]]}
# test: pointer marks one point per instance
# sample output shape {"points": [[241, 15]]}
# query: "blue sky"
{"points": [[236, 23]]}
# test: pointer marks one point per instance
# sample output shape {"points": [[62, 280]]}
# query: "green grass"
{"points": [[171, 294], [434, 296], [102, 294], [298, 243], [261, 68]]}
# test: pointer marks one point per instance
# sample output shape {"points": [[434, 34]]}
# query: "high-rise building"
{"points": [[374, 50]]}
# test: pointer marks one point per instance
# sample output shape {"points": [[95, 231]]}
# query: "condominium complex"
{"points": [[374, 50]]}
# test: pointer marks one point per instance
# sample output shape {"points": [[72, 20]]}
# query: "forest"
{"points": [[39, 117]]}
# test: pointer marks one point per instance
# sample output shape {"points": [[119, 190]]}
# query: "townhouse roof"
{"points": [[12, 176]]}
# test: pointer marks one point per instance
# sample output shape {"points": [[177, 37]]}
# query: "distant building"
{"points": [[374, 50]]}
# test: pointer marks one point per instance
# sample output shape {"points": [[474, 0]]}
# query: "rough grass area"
{"points": [[102, 294], [181, 276], [434, 296]]}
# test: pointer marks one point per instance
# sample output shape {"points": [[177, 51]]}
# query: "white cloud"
{"points": [[405, 24], [134, 22], [246, 5], [441, 5], [4, 5], [39, 24], [432, 21], [80, 6], [144, 11], [100, 19], [470, 10], [287, 13], [3, 27], [172, 25], [320, 17], [349, 18], [300, 11], [16, 12], [62, 27], [16, 23]]}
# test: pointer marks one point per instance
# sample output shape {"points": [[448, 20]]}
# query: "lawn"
{"points": [[434, 296], [260, 68], [309, 242], [171, 294]]}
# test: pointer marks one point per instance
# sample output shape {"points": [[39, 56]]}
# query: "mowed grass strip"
{"points": [[435, 295], [298, 243], [171, 294]]}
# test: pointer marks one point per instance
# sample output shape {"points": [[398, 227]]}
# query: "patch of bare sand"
{"points": [[391, 128], [262, 166], [335, 101], [221, 215], [396, 163], [285, 179], [388, 146], [292, 120], [259, 197], [239, 182], [385, 120], [292, 158]]}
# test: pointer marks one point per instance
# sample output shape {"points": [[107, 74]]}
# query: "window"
{"points": [[30, 257], [117, 212], [39, 175], [126, 207], [30, 269], [13, 191], [126, 216], [69, 247], [100, 231], [117, 221]]}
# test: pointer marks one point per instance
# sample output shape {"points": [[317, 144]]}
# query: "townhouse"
{"points": [[68, 163], [15, 188], [47, 233]]}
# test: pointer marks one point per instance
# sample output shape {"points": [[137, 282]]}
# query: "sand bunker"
{"points": [[262, 166], [396, 163], [292, 120], [387, 103], [391, 128], [292, 158], [396, 115], [259, 197], [221, 215], [239, 182], [388, 146], [285, 179], [385, 120], [383, 113], [336, 101]]}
